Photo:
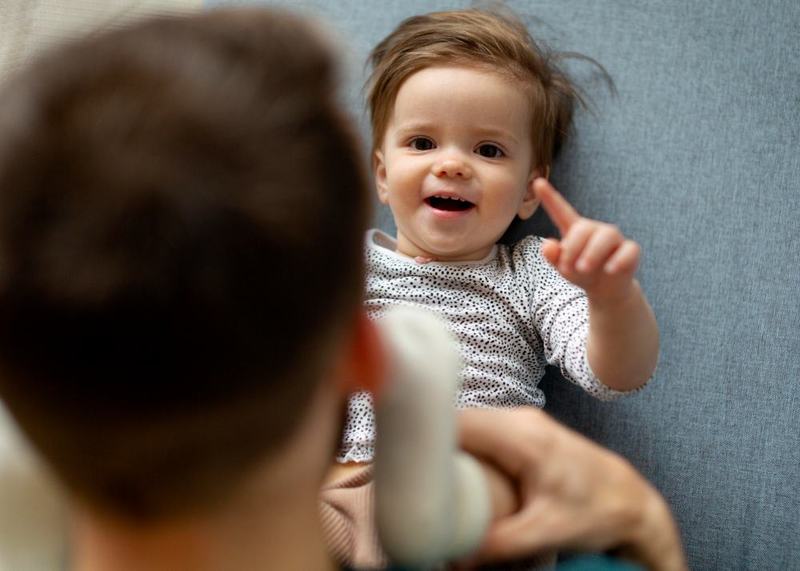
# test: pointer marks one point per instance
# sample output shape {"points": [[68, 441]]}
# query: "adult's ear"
{"points": [[530, 202], [365, 367], [379, 168]]}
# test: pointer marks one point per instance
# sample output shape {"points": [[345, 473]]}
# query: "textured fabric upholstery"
{"points": [[697, 158], [26, 26]]}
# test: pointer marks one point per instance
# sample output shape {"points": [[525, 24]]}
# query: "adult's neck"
{"points": [[270, 522], [279, 531]]}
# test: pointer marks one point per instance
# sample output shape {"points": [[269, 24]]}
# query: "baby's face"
{"points": [[455, 166]]}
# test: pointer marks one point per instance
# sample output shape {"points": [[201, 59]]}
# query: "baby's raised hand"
{"points": [[592, 255]]}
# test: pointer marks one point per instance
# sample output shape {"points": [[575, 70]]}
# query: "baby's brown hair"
{"points": [[182, 206], [494, 41]]}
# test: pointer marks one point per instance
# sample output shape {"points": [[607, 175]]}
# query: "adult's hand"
{"points": [[574, 494]]}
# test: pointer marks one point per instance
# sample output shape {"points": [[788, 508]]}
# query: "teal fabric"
{"points": [[597, 563], [579, 563], [698, 158]]}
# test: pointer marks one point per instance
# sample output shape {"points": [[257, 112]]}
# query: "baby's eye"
{"points": [[490, 151], [421, 144]]}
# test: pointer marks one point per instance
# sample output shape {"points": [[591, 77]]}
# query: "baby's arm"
{"points": [[622, 348]]}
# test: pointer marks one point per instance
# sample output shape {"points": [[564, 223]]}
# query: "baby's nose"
{"points": [[452, 167]]}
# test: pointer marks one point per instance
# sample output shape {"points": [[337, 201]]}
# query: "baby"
{"points": [[467, 112]]}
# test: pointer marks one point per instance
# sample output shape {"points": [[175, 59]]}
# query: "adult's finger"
{"points": [[505, 437], [520, 535]]}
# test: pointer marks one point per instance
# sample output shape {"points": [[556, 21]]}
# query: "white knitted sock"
{"points": [[432, 502]]}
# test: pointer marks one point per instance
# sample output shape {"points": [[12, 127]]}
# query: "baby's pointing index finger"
{"points": [[558, 209]]}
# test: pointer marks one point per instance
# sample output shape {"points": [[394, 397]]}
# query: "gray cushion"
{"points": [[696, 158]]}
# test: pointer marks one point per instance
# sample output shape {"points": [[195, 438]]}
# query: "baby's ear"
{"points": [[379, 168], [529, 202]]}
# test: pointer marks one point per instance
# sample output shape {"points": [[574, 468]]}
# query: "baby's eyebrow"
{"points": [[493, 133], [415, 127]]}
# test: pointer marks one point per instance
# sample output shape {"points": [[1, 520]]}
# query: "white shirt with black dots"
{"points": [[511, 312]]}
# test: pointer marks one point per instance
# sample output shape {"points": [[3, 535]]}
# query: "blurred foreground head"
{"points": [[181, 212]]}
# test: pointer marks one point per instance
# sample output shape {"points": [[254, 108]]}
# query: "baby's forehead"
{"points": [[439, 91], [522, 82], [509, 72]]}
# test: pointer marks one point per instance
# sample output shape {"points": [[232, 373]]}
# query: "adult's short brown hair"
{"points": [[181, 214], [496, 41]]}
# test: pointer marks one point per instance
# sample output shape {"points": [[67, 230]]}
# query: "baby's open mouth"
{"points": [[447, 203]]}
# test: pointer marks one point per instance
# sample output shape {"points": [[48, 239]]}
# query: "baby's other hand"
{"points": [[594, 256]]}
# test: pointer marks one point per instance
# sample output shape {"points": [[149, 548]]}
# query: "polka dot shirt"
{"points": [[511, 312]]}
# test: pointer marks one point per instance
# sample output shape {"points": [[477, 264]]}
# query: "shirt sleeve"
{"points": [[560, 314]]}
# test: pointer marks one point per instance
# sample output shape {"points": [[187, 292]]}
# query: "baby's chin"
{"points": [[444, 245]]}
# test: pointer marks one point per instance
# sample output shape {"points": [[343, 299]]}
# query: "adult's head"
{"points": [[181, 213]]}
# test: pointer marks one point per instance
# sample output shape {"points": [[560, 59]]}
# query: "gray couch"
{"points": [[698, 158]]}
